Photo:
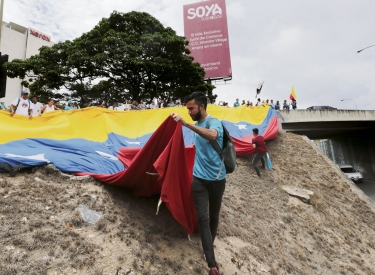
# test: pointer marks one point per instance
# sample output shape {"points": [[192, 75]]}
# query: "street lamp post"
{"points": [[1, 19], [365, 48], [352, 100]]}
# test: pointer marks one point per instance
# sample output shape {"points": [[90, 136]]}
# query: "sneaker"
{"points": [[214, 271]]}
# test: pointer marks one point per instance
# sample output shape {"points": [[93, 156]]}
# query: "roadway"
{"points": [[368, 187]]}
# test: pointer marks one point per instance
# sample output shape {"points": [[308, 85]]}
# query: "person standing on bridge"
{"points": [[285, 105], [261, 150], [294, 104], [277, 105]]}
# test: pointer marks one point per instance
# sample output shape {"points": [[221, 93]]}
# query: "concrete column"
{"points": [[1, 20]]}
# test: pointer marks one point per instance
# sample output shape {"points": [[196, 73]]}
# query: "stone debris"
{"points": [[89, 215], [52, 170], [302, 194], [39, 179], [82, 178]]}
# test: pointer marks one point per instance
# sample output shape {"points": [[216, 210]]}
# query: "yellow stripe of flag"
{"points": [[294, 93]]}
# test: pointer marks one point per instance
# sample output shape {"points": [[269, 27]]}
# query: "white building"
{"points": [[19, 43]]}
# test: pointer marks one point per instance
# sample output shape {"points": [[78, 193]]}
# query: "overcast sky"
{"points": [[309, 44]]}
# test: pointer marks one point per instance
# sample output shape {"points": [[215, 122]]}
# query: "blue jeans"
{"points": [[207, 198]]}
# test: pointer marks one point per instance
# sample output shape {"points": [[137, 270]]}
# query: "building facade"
{"points": [[19, 43]]}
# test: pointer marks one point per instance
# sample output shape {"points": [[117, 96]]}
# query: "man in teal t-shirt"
{"points": [[207, 191], [237, 103]]}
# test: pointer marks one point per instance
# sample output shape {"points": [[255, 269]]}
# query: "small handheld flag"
{"points": [[259, 89], [293, 95]]}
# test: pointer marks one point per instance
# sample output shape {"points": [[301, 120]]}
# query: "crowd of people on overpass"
{"points": [[26, 107], [277, 106]]}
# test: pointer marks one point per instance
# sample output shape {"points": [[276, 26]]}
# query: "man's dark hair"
{"points": [[198, 97], [255, 131]]}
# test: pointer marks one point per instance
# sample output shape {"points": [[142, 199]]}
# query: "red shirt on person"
{"points": [[260, 144]]}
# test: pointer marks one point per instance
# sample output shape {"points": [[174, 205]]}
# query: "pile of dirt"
{"points": [[263, 230]]}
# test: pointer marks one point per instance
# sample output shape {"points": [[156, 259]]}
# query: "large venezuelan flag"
{"points": [[145, 151]]}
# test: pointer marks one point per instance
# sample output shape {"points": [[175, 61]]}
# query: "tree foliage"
{"points": [[126, 56]]}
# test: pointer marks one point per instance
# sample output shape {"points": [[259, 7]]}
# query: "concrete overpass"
{"points": [[325, 123]]}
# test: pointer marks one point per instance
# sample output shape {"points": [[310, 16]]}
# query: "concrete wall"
{"points": [[11, 38], [35, 43], [18, 43], [324, 115], [357, 149], [325, 124]]}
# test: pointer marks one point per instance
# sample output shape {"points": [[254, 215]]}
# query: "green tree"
{"points": [[128, 55]]}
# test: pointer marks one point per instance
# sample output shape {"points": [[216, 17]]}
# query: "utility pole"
{"points": [[1, 19]]}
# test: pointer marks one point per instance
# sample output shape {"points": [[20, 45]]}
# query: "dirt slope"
{"points": [[263, 230]]}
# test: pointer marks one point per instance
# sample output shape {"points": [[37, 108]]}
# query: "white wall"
{"points": [[35, 43], [18, 43], [13, 43]]}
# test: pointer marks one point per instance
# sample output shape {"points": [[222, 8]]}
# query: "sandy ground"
{"points": [[263, 230]]}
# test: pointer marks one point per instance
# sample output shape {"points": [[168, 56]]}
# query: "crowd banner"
{"points": [[206, 29], [146, 151]]}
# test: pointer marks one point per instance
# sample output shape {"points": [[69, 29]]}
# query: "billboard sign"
{"points": [[206, 29]]}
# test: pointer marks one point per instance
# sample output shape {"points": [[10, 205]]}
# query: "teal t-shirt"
{"points": [[207, 160]]}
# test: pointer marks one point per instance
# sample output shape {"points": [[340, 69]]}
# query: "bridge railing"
{"points": [[291, 116]]}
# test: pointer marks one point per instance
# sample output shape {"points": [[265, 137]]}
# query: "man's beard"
{"points": [[197, 116]]}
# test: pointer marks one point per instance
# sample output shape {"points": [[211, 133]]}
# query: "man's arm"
{"points": [[12, 110], [209, 134], [254, 144], [41, 110]]}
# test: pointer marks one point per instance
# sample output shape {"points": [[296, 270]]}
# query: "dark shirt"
{"points": [[260, 144]]}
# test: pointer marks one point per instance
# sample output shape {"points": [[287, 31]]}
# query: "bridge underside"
{"points": [[322, 130]]}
